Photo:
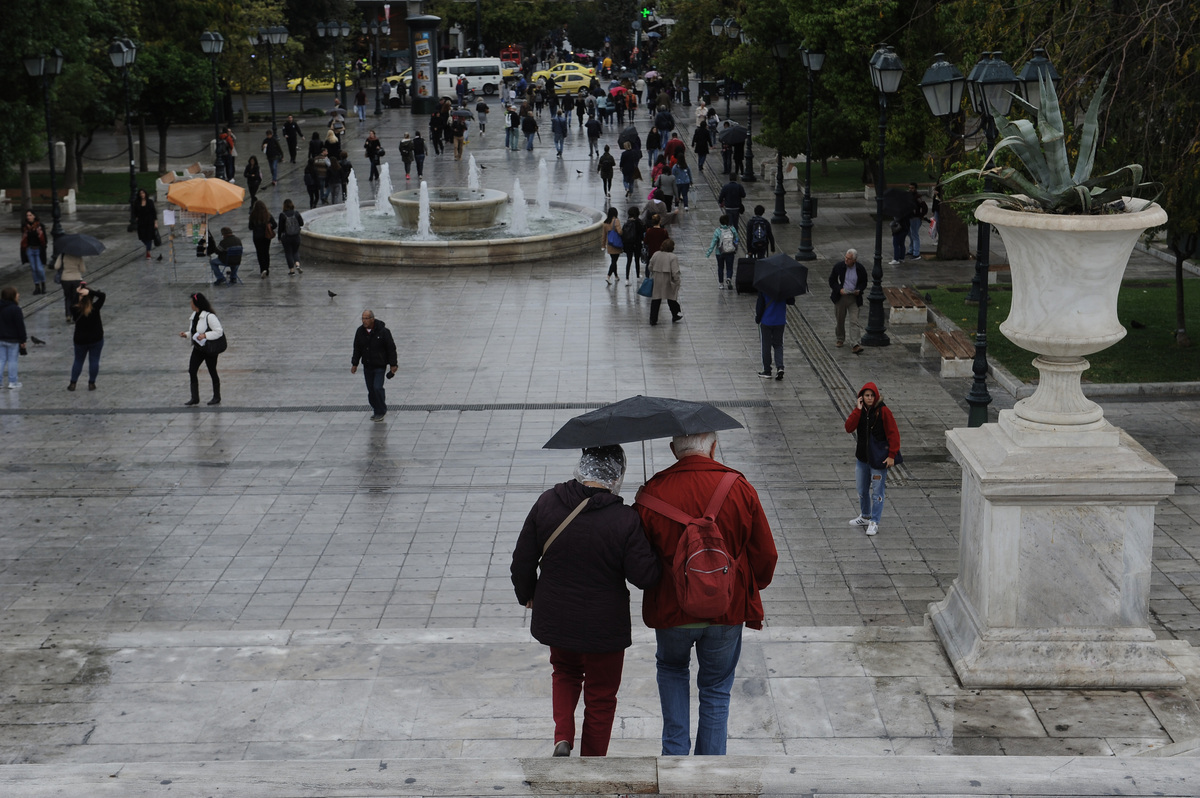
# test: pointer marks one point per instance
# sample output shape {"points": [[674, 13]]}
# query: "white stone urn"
{"points": [[1066, 272]]}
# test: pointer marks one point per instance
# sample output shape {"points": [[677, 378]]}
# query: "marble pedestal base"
{"points": [[1054, 565]]}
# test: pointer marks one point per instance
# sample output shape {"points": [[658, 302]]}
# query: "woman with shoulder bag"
{"points": [[208, 342], [613, 244], [877, 448], [290, 222], [262, 230], [664, 268]]}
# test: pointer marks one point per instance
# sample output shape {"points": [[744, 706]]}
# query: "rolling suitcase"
{"points": [[744, 276]]}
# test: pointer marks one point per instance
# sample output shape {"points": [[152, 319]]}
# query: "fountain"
{"points": [[450, 226], [353, 209], [473, 172], [543, 190], [383, 190], [520, 212]]}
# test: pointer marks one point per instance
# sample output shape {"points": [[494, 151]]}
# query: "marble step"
{"points": [[676, 776]]}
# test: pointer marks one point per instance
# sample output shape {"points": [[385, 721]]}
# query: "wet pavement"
{"points": [[279, 578]]}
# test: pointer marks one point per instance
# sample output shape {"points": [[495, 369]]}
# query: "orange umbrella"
{"points": [[206, 195]]}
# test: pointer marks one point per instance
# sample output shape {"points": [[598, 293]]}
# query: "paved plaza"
{"points": [[281, 579]]}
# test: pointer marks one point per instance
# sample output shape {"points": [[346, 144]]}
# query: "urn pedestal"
{"points": [[1057, 516]]}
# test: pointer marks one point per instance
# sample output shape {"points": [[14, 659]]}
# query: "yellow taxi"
{"points": [[560, 71], [313, 84], [404, 78]]}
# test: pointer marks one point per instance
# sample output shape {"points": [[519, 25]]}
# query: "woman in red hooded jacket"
{"points": [[871, 418]]}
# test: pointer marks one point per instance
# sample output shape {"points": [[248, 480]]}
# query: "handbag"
{"points": [[614, 239], [647, 287], [877, 452], [270, 231], [157, 238]]}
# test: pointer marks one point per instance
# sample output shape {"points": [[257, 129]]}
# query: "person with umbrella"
{"points": [[586, 544], [770, 314], [691, 488], [847, 282]]}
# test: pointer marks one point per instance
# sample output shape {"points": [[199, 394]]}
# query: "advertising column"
{"points": [[423, 30]]}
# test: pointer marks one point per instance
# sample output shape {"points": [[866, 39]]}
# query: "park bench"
{"points": [[955, 350], [906, 306], [11, 198]]}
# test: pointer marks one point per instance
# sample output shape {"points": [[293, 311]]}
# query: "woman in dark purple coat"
{"points": [[580, 602]]}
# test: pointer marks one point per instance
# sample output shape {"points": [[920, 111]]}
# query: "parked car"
{"points": [[559, 71]]}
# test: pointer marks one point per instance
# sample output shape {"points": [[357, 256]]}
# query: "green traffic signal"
{"points": [[647, 12]]}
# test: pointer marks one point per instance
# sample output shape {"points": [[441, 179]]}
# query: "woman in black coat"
{"points": [[580, 602], [89, 334], [146, 218]]}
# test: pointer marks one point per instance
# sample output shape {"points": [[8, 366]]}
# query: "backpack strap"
{"points": [[675, 514], [566, 522]]}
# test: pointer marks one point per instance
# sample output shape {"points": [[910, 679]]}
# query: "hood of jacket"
{"points": [[870, 386]]}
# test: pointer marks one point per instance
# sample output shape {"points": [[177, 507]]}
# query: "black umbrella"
{"points": [[639, 418], [629, 134], [734, 134], [897, 202], [78, 244], [781, 276], [462, 113]]}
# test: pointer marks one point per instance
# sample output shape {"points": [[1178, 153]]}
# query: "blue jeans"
{"points": [[717, 651], [375, 395], [898, 245], [9, 354], [218, 269], [529, 141], [558, 144], [274, 170], [92, 353], [35, 264], [725, 264], [653, 156], [420, 158], [682, 190], [914, 235], [871, 486]]}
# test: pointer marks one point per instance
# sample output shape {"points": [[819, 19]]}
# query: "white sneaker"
{"points": [[893, 262], [872, 528], [862, 520], [14, 385], [626, 281]]}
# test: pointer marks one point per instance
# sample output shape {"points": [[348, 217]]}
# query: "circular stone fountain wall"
{"points": [[452, 209], [361, 249]]}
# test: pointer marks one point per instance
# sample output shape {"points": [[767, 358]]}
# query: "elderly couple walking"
{"points": [[587, 543]]}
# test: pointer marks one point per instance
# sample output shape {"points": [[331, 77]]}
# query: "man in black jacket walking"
{"points": [[374, 347]]}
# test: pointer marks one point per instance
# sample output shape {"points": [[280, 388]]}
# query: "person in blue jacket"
{"points": [[771, 315]]}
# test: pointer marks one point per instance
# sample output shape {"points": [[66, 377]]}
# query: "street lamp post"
{"points": [[374, 29], [813, 61], [123, 52], [46, 67], [727, 28], [781, 51], [336, 30], [748, 173], [991, 85], [886, 70], [274, 35], [212, 43]]}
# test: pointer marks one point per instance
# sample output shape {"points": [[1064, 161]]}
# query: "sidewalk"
{"points": [[280, 579]]}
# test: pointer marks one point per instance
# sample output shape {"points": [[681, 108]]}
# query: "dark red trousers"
{"points": [[598, 676]]}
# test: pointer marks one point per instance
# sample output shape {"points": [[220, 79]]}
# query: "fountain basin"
{"points": [[363, 249], [452, 209]]}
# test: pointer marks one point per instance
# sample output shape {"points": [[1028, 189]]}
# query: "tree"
{"points": [[178, 88]]}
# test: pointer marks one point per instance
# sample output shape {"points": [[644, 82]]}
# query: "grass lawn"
{"points": [[846, 175], [1146, 355], [99, 188]]}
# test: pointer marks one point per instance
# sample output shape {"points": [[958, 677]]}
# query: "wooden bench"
{"points": [[11, 198], [954, 348], [906, 305]]}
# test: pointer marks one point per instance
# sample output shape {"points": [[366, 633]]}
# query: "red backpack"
{"points": [[705, 573]]}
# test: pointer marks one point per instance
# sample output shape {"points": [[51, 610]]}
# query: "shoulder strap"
{"points": [[566, 522], [675, 514]]}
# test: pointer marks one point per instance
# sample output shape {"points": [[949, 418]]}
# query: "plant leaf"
{"points": [[1054, 140], [1090, 137]]}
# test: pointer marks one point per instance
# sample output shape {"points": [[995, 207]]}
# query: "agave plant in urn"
{"points": [[1069, 236]]}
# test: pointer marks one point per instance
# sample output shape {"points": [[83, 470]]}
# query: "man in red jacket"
{"points": [[689, 484]]}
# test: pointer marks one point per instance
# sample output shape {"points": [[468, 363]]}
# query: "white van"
{"points": [[446, 83], [483, 74]]}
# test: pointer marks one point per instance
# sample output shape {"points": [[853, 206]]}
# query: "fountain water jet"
{"points": [[424, 215], [473, 172], [543, 190], [353, 210], [519, 215], [383, 190]]}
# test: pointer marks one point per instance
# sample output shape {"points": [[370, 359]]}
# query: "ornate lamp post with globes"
{"points": [[46, 67], [886, 71], [337, 31], [813, 61], [271, 37], [781, 51], [212, 43], [123, 52], [375, 28]]}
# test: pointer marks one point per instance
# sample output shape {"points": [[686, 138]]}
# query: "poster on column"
{"points": [[423, 68]]}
